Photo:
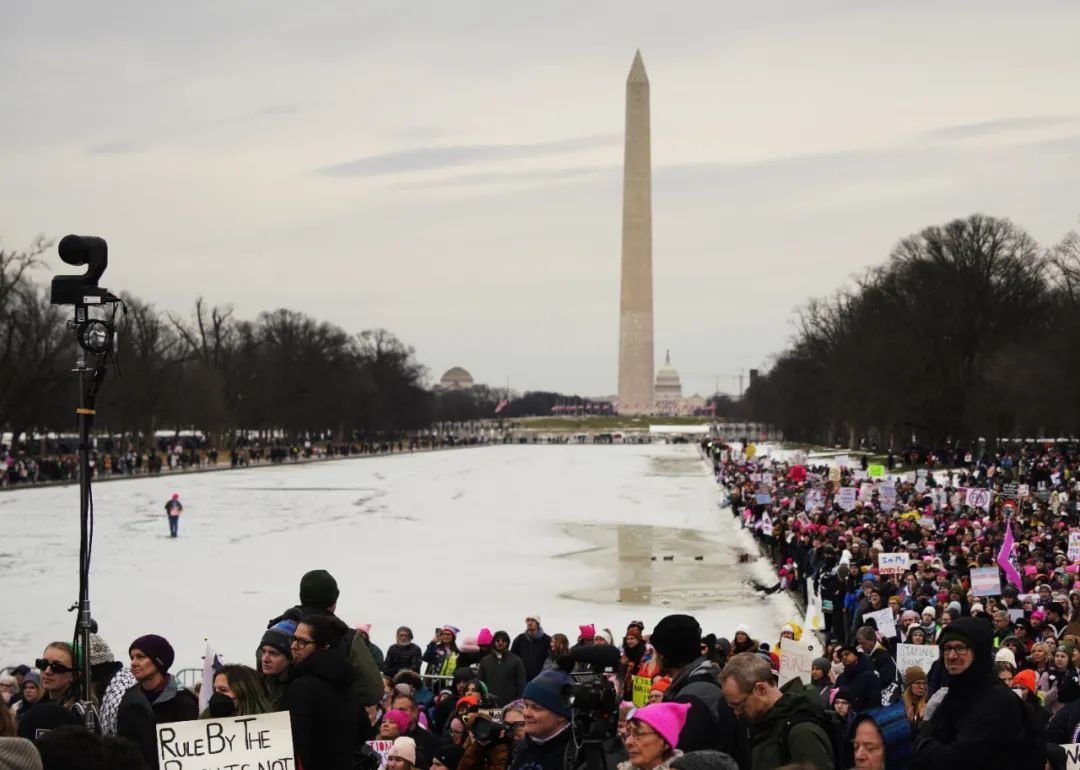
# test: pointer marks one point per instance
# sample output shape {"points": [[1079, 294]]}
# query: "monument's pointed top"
{"points": [[667, 358], [637, 70]]}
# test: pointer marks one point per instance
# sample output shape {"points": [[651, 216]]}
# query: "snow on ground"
{"points": [[472, 537]]}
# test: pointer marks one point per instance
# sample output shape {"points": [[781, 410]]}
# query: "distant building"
{"points": [[668, 393], [456, 378]]}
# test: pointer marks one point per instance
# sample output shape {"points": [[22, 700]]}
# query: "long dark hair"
{"points": [[326, 630]]}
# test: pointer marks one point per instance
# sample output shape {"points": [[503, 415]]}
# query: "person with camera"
{"points": [[488, 744], [547, 744], [710, 722]]}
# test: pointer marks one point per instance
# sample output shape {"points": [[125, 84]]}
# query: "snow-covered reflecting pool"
{"points": [[472, 537]]}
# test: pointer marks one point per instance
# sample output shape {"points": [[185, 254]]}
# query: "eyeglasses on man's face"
{"points": [[299, 641]]}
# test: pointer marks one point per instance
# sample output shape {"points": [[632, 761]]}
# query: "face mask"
{"points": [[221, 705], [1019, 692]]}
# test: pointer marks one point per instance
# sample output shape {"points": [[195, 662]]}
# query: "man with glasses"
{"points": [[980, 722], [786, 726]]}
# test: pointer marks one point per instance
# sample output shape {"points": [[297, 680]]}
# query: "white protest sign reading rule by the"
{"points": [[257, 741]]}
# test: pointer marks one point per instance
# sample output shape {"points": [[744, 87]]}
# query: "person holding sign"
{"points": [[323, 706]]}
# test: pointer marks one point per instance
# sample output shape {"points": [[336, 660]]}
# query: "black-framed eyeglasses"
{"points": [[57, 668], [300, 641]]}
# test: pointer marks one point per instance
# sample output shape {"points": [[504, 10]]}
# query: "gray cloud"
{"points": [[116, 147], [279, 109], [989, 127], [508, 177], [428, 158]]}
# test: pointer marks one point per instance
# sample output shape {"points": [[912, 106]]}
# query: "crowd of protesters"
{"points": [[1003, 690], [19, 467]]}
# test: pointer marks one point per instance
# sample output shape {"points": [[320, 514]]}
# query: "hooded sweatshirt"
{"points": [[980, 722], [802, 718]]}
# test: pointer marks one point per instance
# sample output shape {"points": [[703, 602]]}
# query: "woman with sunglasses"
{"points": [[57, 667], [323, 706]]}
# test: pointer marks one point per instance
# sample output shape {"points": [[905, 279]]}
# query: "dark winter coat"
{"points": [[710, 722], [324, 710], [135, 721], [504, 676], [864, 684], [1065, 725], [426, 746], [980, 723], [885, 666], [367, 679], [174, 704], [402, 657], [793, 732], [556, 753], [533, 651]]}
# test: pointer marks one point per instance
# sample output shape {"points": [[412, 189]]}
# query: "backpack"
{"points": [[833, 728]]}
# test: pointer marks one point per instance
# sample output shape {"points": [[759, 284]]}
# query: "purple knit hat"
{"points": [[668, 719], [157, 648]]}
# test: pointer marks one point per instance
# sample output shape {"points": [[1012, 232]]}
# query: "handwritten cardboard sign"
{"points": [[263, 740]]}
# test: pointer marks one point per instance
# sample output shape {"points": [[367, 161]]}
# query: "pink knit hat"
{"points": [[668, 719], [399, 718], [587, 633], [483, 638]]}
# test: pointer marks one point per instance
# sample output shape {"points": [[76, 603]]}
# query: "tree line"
{"points": [[282, 374], [969, 331]]}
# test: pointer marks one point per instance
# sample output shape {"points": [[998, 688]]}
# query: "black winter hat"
{"points": [[318, 589], [678, 639], [449, 755]]}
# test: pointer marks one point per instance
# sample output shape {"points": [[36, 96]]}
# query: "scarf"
{"points": [[121, 682]]}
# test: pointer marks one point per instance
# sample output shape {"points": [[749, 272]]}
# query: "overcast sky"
{"points": [[452, 171]]}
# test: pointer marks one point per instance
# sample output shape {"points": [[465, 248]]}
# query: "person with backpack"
{"points": [[710, 722], [788, 725]]}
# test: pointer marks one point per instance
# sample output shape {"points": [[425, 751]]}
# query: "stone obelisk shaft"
{"points": [[636, 305]]}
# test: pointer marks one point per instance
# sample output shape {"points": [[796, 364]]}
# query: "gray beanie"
{"points": [[822, 663], [18, 754]]}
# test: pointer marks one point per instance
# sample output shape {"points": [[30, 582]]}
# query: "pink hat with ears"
{"points": [[587, 633], [365, 627], [668, 719], [484, 637]]}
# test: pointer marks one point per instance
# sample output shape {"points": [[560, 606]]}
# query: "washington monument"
{"points": [[635, 305]]}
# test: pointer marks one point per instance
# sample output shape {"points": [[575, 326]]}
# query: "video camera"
{"points": [[593, 702], [487, 726]]}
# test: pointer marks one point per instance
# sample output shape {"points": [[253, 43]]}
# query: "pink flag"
{"points": [[502, 405], [1004, 559]]}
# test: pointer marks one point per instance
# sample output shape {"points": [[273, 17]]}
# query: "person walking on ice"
{"points": [[173, 509]]}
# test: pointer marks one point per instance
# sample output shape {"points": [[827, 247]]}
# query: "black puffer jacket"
{"points": [[980, 723], [324, 710], [402, 657]]}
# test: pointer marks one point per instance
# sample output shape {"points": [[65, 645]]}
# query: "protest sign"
{"points": [[261, 740], [1074, 545], [1072, 756], [642, 685], [843, 461], [921, 655], [1023, 490], [860, 475], [846, 497], [1009, 490], [922, 473], [893, 563], [755, 477], [866, 492], [886, 624], [797, 657], [766, 478], [803, 519], [887, 495], [762, 498], [875, 471], [813, 500], [834, 474], [382, 748], [985, 581], [1016, 614], [920, 484], [976, 497], [927, 522], [815, 618]]}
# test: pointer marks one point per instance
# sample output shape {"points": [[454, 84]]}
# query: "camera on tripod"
{"points": [[487, 726]]}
